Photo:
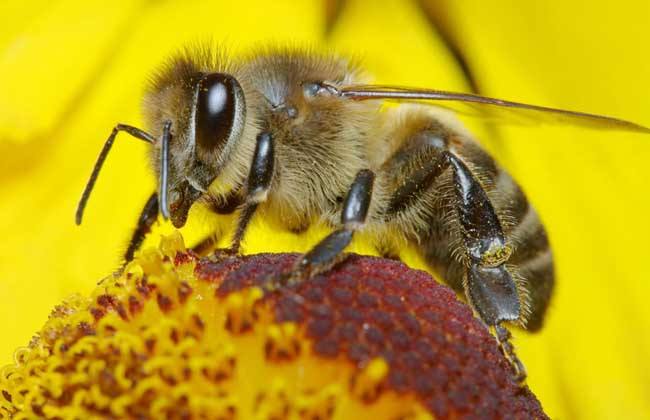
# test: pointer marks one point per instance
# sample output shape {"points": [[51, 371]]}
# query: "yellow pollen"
{"points": [[496, 255], [282, 341], [173, 244], [366, 385], [240, 309]]}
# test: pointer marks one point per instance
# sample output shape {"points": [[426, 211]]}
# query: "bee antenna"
{"points": [[163, 185], [135, 132]]}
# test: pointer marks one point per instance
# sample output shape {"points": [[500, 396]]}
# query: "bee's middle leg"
{"points": [[329, 251]]}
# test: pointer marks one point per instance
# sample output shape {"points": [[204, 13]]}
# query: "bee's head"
{"points": [[195, 117], [201, 144]]}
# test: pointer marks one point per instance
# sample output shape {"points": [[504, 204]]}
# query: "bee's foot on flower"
{"points": [[205, 246], [503, 337], [221, 254]]}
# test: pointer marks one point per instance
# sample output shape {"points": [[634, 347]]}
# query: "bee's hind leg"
{"points": [[329, 251], [503, 337], [489, 284], [486, 278]]}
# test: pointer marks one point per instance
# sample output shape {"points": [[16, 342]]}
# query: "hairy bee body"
{"points": [[322, 141], [298, 138]]}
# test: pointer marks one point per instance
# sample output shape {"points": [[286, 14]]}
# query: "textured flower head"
{"points": [[175, 336]]}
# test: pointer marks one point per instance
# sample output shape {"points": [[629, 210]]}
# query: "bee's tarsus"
{"points": [[329, 251], [205, 245], [503, 337], [244, 219], [324, 255]]}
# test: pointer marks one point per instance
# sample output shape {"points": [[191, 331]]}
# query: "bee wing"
{"points": [[492, 107]]}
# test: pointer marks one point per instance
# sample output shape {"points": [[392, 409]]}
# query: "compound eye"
{"points": [[219, 109]]}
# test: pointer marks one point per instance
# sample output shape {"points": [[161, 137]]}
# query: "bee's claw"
{"points": [[503, 337]]}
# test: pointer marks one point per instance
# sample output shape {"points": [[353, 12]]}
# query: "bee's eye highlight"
{"points": [[219, 100]]}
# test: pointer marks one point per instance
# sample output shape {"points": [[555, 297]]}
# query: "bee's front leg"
{"points": [[329, 251], [258, 185], [147, 218]]}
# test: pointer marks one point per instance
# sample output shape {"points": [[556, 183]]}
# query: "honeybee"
{"points": [[298, 135]]}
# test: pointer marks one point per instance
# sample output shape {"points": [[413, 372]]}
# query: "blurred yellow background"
{"points": [[71, 69]]}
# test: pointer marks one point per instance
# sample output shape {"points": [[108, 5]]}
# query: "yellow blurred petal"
{"points": [[37, 96]]}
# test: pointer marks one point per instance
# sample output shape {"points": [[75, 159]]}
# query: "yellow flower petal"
{"points": [[36, 98]]}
